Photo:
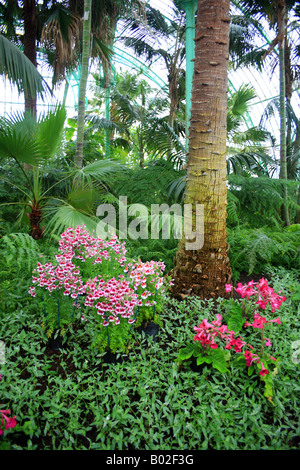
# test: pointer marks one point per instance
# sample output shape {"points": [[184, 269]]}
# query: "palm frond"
{"points": [[29, 139], [67, 216], [20, 70], [100, 171]]}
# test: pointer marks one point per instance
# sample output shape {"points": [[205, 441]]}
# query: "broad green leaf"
{"points": [[18, 68], [187, 352], [218, 360], [201, 359], [235, 322]]}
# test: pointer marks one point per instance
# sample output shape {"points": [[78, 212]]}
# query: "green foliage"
{"points": [[254, 250], [72, 400], [113, 338], [19, 254], [19, 251], [260, 199], [218, 358], [19, 69]]}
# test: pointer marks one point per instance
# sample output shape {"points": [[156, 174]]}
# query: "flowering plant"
{"points": [[149, 284], [212, 344], [94, 274], [257, 296], [6, 422], [215, 336], [113, 304], [58, 285], [91, 254]]}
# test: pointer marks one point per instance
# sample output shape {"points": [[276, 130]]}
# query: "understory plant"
{"points": [[214, 341], [93, 276], [6, 421]]}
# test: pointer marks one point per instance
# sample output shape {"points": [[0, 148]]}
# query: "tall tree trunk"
{"points": [[297, 151], [173, 94], [204, 271], [281, 19], [86, 49], [30, 31]]}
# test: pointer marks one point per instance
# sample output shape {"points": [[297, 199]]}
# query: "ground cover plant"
{"points": [[145, 399]]}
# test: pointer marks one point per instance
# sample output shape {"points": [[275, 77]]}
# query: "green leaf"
{"points": [[219, 360], [235, 322], [201, 359], [187, 352], [18, 68]]}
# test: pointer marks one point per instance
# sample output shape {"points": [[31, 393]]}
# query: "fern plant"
{"points": [[260, 199], [19, 253], [253, 251]]}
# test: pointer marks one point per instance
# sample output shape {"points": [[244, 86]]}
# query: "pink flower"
{"points": [[5, 419], [250, 358], [228, 287], [263, 371]]}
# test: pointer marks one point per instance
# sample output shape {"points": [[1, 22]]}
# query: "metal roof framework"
{"points": [[266, 87]]}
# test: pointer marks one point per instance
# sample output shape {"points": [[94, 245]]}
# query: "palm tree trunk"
{"points": [[281, 12], [204, 272], [86, 48], [30, 31]]}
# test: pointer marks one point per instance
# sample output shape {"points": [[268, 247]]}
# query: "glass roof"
{"points": [[266, 85]]}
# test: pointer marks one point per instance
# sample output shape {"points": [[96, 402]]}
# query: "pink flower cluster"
{"points": [[251, 357], [61, 275], [260, 321], [112, 299], [75, 244], [265, 294], [146, 278], [208, 333], [6, 420], [79, 244]]}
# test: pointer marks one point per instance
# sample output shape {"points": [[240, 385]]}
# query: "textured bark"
{"points": [[35, 219], [281, 22], [86, 51], [204, 272]]}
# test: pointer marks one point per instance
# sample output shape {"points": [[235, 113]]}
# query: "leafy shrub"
{"points": [[73, 400], [254, 250]]}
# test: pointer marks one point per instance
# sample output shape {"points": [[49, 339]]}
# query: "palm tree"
{"points": [[139, 120], [99, 18], [247, 148], [51, 199], [36, 18], [277, 13], [27, 139], [203, 271], [86, 52], [151, 40], [18, 68]]}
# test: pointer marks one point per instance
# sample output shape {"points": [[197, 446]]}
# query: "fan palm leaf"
{"points": [[29, 139], [65, 216], [18, 68]]}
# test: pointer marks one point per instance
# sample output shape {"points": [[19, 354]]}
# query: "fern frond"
{"points": [[19, 250]]}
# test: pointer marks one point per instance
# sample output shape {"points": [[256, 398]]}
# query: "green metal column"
{"points": [[190, 7]]}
